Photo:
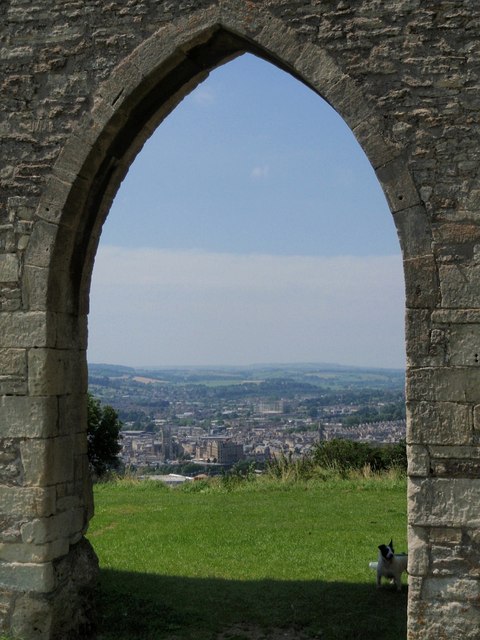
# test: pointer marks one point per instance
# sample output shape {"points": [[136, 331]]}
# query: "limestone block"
{"points": [[455, 452], [35, 287], [71, 331], [456, 316], [451, 588], [425, 346], [72, 413], [43, 530], [444, 384], [77, 576], [51, 209], [444, 502], [460, 285], [72, 161], [418, 460], [476, 422], [314, 64], [26, 329], [41, 244], [421, 282], [23, 416], [56, 372], [448, 536], [27, 553], [11, 385], [443, 620], [455, 467], [48, 461], [456, 560], [27, 502], [463, 347], [398, 185], [418, 551], [32, 612], [9, 268], [414, 231], [455, 235], [374, 141], [13, 362], [27, 576], [439, 423], [350, 103], [67, 503]]}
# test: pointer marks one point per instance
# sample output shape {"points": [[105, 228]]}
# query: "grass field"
{"points": [[261, 560]]}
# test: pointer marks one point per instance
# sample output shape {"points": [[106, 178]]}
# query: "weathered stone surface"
{"points": [[77, 103], [48, 461], [35, 612], [459, 285], [24, 330], [418, 551], [33, 553], [426, 344], [21, 502], [430, 620], [9, 267], [55, 372], [454, 560], [444, 384], [26, 417], [439, 423], [27, 576], [447, 502], [418, 460], [455, 461], [43, 530]]}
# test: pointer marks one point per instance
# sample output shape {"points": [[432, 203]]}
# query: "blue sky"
{"points": [[251, 228]]}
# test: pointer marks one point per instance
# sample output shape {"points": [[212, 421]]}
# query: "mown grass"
{"points": [[194, 562]]}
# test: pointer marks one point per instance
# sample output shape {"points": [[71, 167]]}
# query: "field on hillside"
{"points": [[263, 560]]}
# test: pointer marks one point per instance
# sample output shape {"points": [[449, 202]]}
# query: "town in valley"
{"points": [[200, 419]]}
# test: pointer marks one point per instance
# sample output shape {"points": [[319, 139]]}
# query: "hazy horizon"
{"points": [[251, 365]]}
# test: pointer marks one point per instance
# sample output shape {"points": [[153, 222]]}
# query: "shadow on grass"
{"points": [[137, 606]]}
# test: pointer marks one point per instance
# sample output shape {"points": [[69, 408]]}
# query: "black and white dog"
{"points": [[390, 565]]}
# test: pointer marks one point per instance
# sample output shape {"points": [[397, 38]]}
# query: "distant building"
{"points": [[220, 450], [271, 407]]}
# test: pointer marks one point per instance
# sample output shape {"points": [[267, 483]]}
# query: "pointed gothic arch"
{"points": [[44, 400]]}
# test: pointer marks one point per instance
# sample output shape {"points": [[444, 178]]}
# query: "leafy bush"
{"points": [[344, 455], [103, 437], [338, 456]]}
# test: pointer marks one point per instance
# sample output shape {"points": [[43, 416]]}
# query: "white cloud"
{"points": [[260, 172], [189, 307], [203, 96]]}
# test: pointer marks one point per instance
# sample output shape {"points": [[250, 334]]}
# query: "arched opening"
{"points": [[232, 175], [60, 256], [186, 585]]}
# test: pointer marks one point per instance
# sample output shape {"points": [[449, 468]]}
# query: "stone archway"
{"points": [[70, 140]]}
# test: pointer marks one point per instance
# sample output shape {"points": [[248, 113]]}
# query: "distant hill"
{"points": [[110, 370], [332, 375]]}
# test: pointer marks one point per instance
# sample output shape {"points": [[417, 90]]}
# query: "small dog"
{"points": [[390, 565]]}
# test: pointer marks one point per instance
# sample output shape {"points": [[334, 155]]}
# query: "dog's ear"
{"points": [[390, 544]]}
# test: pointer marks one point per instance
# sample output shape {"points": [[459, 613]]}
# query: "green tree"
{"points": [[103, 436]]}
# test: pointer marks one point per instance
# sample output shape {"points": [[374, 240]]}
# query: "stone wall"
{"points": [[83, 84]]}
